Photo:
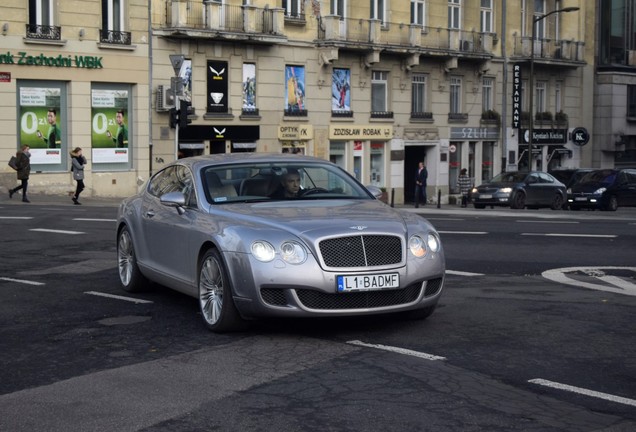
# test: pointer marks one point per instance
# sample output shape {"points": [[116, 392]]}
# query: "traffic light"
{"points": [[174, 117], [186, 110]]}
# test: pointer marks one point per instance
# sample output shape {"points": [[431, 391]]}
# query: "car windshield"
{"points": [[604, 177], [278, 181], [509, 177]]}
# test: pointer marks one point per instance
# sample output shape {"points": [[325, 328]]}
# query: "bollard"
{"points": [[392, 196], [439, 199]]}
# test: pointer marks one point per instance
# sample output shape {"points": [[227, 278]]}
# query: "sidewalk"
{"points": [[45, 199]]}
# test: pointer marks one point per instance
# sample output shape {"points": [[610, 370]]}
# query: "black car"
{"points": [[605, 189], [569, 176], [519, 189]]}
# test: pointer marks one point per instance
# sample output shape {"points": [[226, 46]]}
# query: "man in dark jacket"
{"points": [[24, 169], [420, 184]]}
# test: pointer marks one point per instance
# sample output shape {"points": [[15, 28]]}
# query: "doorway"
{"points": [[413, 155]]}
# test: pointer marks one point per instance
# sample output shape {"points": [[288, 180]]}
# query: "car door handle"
{"points": [[150, 213]]}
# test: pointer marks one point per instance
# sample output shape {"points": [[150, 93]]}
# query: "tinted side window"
{"points": [[545, 178], [162, 182], [185, 184]]}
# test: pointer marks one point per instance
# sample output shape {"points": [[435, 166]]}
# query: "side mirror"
{"points": [[375, 191], [174, 199]]}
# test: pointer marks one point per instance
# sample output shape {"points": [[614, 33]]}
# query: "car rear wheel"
{"points": [[518, 200], [612, 204], [130, 276], [557, 202], [215, 295]]}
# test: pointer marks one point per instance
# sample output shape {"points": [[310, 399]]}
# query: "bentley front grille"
{"points": [[361, 251]]}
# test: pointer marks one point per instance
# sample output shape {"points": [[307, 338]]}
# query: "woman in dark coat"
{"points": [[78, 162], [24, 170]]}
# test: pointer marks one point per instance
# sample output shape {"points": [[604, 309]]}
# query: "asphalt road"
{"points": [[534, 332]]}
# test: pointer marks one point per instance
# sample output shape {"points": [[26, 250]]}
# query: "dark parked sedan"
{"points": [[604, 189], [519, 189], [569, 177]]}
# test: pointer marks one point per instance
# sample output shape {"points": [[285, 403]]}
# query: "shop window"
{"points": [[488, 157], [454, 165], [631, 101], [337, 153], [377, 164]]}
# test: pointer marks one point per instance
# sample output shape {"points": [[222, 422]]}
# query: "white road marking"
{"points": [[463, 232], [130, 299], [620, 285], [16, 217], [586, 392], [547, 221], [461, 273], [570, 235], [397, 350], [446, 219], [94, 220], [57, 231], [22, 281]]}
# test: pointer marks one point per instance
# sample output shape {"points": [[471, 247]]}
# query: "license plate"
{"points": [[485, 196], [580, 199], [368, 282]]}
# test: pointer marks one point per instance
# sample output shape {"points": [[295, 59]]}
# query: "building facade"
{"points": [[66, 70], [374, 86]]}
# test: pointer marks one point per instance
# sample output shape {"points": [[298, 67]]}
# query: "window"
{"points": [[558, 105], [487, 88], [114, 22], [631, 101], [339, 8], [378, 10], [454, 14], [379, 91], [418, 12], [294, 8], [486, 16], [418, 94], [455, 95], [539, 11], [42, 12], [540, 96]]}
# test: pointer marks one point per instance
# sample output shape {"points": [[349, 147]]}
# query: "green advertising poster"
{"points": [[40, 120], [109, 134]]}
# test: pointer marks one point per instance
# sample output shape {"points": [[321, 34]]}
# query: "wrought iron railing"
{"points": [[115, 37], [552, 49], [45, 32]]}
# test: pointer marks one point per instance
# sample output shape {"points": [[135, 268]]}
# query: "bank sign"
{"points": [[23, 58]]}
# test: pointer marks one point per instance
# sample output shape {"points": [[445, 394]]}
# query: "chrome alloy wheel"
{"points": [[211, 290], [125, 257]]}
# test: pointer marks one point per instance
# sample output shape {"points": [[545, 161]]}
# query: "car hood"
{"points": [[588, 187], [496, 185], [324, 217]]}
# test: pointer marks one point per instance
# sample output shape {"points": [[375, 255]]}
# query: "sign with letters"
{"points": [[474, 133], [580, 136]]}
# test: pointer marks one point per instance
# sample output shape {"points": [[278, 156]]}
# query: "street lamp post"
{"points": [[535, 20]]}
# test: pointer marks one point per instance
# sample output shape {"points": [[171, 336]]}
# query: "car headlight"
{"points": [[263, 251], [506, 190], [419, 247], [432, 241], [474, 190], [568, 191], [600, 191], [293, 253]]}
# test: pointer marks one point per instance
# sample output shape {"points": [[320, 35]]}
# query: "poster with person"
{"points": [[341, 90], [40, 117], [295, 89], [109, 135]]}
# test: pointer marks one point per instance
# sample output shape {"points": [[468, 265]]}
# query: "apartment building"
{"points": [[374, 86], [66, 69], [615, 90]]}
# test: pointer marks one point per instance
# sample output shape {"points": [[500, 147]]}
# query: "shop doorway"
{"points": [[413, 155]]}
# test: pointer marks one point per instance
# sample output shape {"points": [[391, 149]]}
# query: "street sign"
{"points": [[177, 61]]}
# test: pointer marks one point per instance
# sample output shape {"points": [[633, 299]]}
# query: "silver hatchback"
{"points": [[282, 235]]}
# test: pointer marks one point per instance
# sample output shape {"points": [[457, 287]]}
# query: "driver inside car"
{"points": [[289, 186]]}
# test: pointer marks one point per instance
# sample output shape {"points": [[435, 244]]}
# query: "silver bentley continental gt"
{"points": [[276, 235]]}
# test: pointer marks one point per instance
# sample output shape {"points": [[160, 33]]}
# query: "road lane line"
{"points": [[463, 232], [461, 273], [16, 217], [94, 220], [570, 235], [57, 231], [22, 281], [397, 350], [586, 392], [548, 221], [113, 296]]}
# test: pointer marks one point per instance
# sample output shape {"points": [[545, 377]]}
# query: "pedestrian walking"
{"points": [[23, 166], [420, 184], [464, 184], [78, 162]]}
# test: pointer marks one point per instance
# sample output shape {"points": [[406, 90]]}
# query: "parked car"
{"points": [[569, 176], [220, 229], [519, 189], [605, 189]]}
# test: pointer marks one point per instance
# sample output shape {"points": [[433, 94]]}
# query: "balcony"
{"points": [[373, 34], [43, 32], [217, 21], [114, 37], [551, 51]]}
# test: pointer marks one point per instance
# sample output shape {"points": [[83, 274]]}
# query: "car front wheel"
{"points": [[130, 276], [612, 204], [215, 295]]}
